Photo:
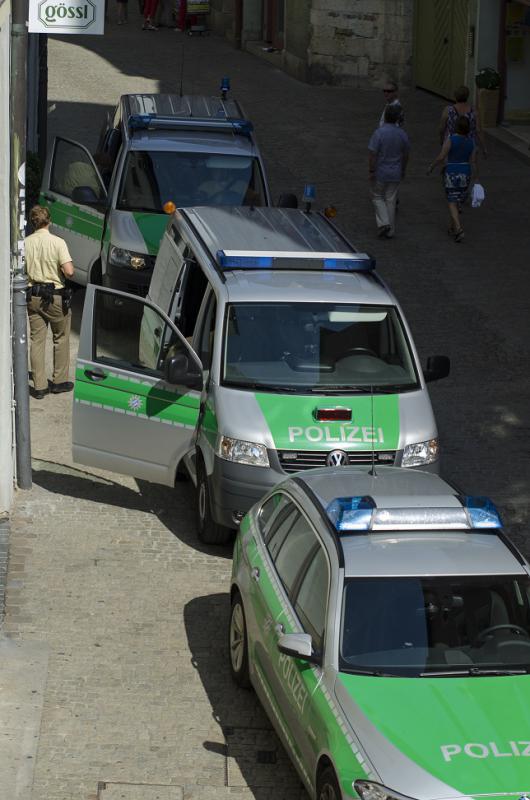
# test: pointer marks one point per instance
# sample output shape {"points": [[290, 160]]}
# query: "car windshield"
{"points": [[324, 347], [436, 626], [151, 179]]}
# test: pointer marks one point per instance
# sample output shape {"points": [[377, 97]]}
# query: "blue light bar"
{"points": [[225, 84], [241, 126], [140, 121], [351, 513], [359, 263], [309, 193], [243, 262], [482, 512]]}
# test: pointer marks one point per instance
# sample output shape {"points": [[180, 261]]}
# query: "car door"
{"points": [[127, 416], [75, 194]]}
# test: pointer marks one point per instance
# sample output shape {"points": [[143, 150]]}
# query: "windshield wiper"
{"points": [[472, 672], [353, 389], [376, 673]]}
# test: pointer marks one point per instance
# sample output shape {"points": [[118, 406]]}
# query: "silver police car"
{"points": [[383, 619]]}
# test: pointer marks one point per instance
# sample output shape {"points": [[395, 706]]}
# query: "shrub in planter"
{"points": [[488, 82], [488, 78]]}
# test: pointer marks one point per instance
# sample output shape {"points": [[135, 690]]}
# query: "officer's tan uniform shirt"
{"points": [[45, 254]]}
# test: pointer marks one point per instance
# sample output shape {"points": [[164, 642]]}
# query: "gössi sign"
{"points": [[66, 16]]}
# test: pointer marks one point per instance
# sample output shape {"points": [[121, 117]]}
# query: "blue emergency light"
{"points": [[310, 261], [482, 512], [139, 122], [309, 193], [225, 86], [351, 513]]}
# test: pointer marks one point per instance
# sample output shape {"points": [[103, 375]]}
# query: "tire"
{"points": [[328, 786], [208, 531], [238, 643]]}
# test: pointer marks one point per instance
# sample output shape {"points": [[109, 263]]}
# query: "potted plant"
{"points": [[488, 83]]}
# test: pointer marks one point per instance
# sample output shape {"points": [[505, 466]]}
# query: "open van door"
{"points": [[75, 195], [135, 409]]}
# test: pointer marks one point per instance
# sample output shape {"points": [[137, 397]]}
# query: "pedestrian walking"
{"points": [[387, 163], [458, 153], [149, 15], [122, 12], [462, 108], [48, 263], [390, 91]]}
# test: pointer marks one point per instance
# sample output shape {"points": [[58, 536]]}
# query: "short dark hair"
{"points": [[392, 113], [462, 126], [39, 216], [393, 84], [461, 94]]}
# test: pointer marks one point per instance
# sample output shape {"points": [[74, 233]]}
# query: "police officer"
{"points": [[48, 263]]}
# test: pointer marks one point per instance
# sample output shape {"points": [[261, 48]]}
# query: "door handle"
{"points": [[254, 573], [95, 374], [49, 197], [280, 630]]}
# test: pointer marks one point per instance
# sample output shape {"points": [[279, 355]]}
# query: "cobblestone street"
{"points": [[111, 600]]}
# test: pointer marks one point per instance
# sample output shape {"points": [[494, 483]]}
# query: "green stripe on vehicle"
{"points": [[72, 218], [152, 227], [122, 395], [293, 425]]}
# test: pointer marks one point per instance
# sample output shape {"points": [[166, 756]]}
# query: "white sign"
{"points": [[66, 16]]}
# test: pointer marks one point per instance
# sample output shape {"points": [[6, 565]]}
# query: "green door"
{"points": [[440, 44]]}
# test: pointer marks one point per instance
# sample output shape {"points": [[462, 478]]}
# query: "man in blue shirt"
{"points": [[387, 163]]}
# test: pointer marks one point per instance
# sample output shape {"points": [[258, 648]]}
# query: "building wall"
{"points": [[6, 431], [297, 39], [222, 18], [360, 42]]}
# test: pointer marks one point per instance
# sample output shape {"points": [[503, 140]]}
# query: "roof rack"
{"points": [[152, 122], [361, 514], [294, 260]]}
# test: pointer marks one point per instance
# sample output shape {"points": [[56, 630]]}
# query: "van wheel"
{"points": [[238, 643], [328, 786], [209, 531]]}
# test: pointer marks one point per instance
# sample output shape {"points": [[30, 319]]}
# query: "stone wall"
{"points": [[221, 19], [360, 42]]}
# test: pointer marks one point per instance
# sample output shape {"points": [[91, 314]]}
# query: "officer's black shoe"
{"points": [[38, 394], [57, 388]]}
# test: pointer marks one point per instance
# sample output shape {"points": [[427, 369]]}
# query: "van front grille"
{"points": [[295, 460]]}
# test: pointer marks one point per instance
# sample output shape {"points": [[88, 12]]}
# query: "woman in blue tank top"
{"points": [[458, 152]]}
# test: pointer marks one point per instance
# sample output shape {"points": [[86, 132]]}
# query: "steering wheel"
{"points": [[358, 351], [494, 628]]}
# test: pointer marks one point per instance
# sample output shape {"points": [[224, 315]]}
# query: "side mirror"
{"points": [[85, 195], [298, 645], [288, 201], [437, 367], [182, 371]]}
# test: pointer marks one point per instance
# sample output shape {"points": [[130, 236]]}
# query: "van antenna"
{"points": [[372, 472], [181, 68]]}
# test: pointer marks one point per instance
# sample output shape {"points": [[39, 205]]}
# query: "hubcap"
{"points": [[327, 792], [237, 638]]}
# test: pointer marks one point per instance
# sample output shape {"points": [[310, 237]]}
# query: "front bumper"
{"points": [[234, 488], [126, 279]]}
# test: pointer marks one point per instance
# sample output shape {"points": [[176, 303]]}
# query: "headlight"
{"points": [[126, 258], [415, 455], [374, 791], [242, 452]]}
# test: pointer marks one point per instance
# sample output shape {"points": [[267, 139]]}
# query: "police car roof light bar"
{"points": [[241, 127], [482, 512], [296, 260], [351, 513], [225, 87]]}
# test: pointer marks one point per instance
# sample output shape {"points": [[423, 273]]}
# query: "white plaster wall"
{"points": [[6, 432]]}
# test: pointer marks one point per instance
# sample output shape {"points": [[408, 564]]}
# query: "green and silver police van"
{"points": [[383, 619], [157, 153], [267, 345]]}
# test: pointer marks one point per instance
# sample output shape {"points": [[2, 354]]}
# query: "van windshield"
{"points": [[330, 348], [436, 626], [151, 179]]}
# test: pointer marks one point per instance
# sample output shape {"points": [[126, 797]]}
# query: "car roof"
{"points": [[196, 106], [394, 553], [427, 553], [198, 142], [390, 487]]}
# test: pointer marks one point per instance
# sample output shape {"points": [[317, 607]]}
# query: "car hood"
{"points": [[437, 738], [137, 231]]}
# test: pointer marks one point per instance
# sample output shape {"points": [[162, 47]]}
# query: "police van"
{"points": [[267, 345], [159, 152]]}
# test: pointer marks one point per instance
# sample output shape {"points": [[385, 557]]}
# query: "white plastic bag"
{"points": [[478, 195]]}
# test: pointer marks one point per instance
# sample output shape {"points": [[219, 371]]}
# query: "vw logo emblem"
{"points": [[337, 458], [524, 797]]}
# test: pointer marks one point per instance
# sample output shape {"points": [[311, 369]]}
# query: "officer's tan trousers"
{"points": [[39, 318]]}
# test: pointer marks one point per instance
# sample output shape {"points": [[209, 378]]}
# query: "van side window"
{"points": [[192, 289], [205, 344]]}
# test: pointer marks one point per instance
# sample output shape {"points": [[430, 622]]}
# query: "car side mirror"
{"points": [[85, 195], [180, 370], [288, 200], [298, 645], [437, 367]]}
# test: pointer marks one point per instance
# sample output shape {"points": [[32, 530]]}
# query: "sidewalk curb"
{"points": [[4, 550]]}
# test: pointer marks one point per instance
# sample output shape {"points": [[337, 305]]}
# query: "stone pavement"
{"points": [[124, 612]]}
